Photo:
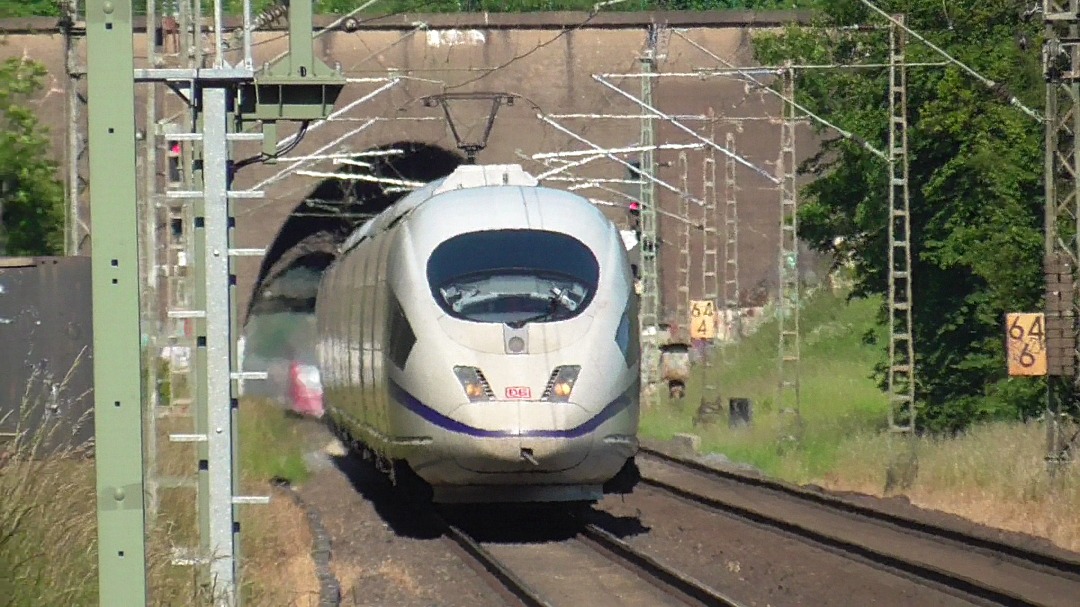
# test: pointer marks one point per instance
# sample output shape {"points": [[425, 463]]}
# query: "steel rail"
{"points": [[1016, 554], [926, 572], [670, 581], [645, 567], [509, 581]]}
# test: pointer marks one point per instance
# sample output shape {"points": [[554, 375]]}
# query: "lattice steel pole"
{"points": [[787, 301], [682, 305], [1061, 64], [76, 142], [731, 242], [901, 376], [182, 276], [649, 246], [149, 223], [709, 245]]}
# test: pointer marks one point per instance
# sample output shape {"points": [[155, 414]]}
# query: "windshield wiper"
{"points": [[558, 296]]}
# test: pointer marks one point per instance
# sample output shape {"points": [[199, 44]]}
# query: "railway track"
{"points": [[593, 567], [980, 570]]}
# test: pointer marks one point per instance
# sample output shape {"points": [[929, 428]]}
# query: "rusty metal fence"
{"points": [[46, 354]]}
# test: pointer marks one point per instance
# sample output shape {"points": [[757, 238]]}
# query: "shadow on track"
{"points": [[496, 523], [406, 519]]}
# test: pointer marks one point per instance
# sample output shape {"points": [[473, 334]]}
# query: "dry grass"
{"points": [[279, 569], [400, 577], [47, 533], [994, 474], [48, 520], [351, 576], [347, 575]]}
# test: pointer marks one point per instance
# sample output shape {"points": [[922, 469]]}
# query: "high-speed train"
{"points": [[482, 332]]}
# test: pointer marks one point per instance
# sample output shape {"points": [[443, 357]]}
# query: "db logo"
{"points": [[518, 392]]}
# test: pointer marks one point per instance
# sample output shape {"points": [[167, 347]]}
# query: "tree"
{"points": [[31, 197], [975, 183]]}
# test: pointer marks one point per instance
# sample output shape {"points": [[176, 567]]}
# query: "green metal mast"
{"points": [[117, 404]]}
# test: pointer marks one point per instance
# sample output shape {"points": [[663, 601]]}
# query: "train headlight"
{"points": [[474, 383], [561, 383], [562, 389]]}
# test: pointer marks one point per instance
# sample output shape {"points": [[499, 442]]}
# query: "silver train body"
{"points": [[483, 330]]}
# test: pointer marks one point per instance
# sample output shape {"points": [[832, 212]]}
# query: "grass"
{"points": [[276, 565], [48, 517], [47, 533], [837, 395], [271, 443], [992, 474], [277, 568]]}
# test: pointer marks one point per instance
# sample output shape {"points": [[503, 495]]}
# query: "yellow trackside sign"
{"points": [[702, 319], [1025, 342]]}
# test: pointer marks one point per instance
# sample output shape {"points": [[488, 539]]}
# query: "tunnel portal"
{"points": [[279, 330]]}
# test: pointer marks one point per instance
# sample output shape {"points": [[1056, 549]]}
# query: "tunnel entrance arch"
{"points": [[279, 322], [309, 237]]}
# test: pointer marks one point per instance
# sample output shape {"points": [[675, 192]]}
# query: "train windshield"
{"points": [[513, 276]]}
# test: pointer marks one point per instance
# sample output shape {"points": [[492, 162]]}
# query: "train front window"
{"points": [[513, 276]]}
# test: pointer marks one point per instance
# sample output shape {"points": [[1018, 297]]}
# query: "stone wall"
{"points": [[549, 62]]}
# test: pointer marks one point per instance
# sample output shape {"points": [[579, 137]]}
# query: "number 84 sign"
{"points": [[1026, 343]]}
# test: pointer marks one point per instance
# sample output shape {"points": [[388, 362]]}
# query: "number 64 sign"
{"points": [[702, 319], [1026, 343]]}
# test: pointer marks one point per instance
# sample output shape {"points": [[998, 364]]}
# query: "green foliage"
{"points": [[272, 443], [51, 8], [29, 8], [975, 186], [31, 197], [515, 6]]}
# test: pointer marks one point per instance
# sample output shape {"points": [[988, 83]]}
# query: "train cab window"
{"points": [[514, 277]]}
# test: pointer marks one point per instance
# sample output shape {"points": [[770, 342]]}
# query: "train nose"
{"points": [[523, 442], [526, 454]]}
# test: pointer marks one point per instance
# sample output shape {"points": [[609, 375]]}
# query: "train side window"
{"points": [[363, 292], [400, 336], [349, 278]]}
